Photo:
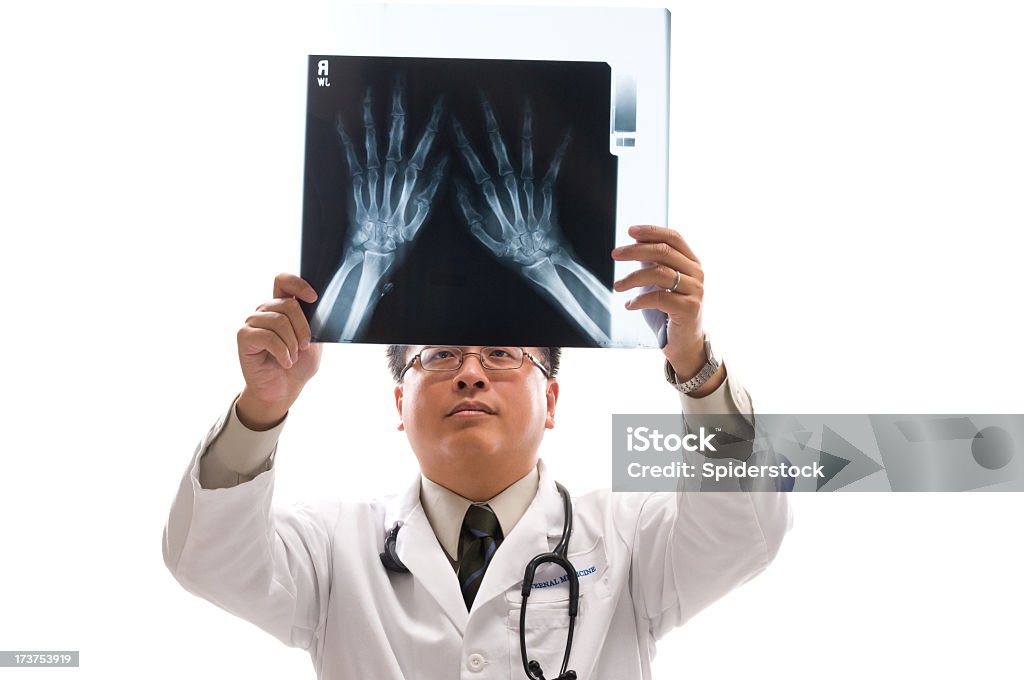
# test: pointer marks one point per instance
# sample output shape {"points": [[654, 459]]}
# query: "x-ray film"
{"points": [[469, 201]]}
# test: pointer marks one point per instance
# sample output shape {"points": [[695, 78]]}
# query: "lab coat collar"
{"points": [[419, 550], [536, 532]]}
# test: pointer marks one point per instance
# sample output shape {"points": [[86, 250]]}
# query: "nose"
{"points": [[471, 373]]}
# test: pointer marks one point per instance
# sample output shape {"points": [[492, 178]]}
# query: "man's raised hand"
{"points": [[275, 354]]}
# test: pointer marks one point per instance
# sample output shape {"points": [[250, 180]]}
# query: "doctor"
{"points": [[483, 506]]}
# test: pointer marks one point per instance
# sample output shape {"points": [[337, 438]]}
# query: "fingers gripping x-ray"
{"points": [[386, 213], [530, 238]]}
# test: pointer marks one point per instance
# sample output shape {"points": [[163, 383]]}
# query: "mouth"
{"points": [[469, 409]]}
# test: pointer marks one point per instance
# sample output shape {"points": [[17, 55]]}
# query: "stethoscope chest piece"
{"points": [[389, 558]]}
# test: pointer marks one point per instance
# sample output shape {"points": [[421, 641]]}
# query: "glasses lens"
{"points": [[441, 358], [450, 358], [502, 357]]}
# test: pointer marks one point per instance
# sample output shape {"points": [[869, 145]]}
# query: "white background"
{"points": [[850, 174]]}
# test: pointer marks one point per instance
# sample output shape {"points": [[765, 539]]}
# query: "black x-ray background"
{"points": [[449, 289]]}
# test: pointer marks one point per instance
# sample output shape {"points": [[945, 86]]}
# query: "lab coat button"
{"points": [[475, 663]]}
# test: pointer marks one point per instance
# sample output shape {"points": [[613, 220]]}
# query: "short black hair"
{"points": [[551, 358]]}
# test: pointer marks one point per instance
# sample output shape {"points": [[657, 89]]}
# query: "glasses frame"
{"points": [[462, 360]]}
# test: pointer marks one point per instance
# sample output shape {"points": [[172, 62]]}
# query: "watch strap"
{"points": [[694, 383]]}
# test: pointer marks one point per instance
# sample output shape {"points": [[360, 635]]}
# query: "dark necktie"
{"points": [[481, 536]]}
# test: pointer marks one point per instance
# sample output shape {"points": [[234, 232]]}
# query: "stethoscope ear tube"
{"points": [[559, 557], [532, 668], [571, 577], [563, 545]]}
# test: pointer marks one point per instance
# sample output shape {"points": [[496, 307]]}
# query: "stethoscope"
{"points": [[389, 558]]}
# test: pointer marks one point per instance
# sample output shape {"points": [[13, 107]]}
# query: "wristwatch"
{"points": [[696, 381]]}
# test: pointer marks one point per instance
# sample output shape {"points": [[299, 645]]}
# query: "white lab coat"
{"points": [[311, 576]]}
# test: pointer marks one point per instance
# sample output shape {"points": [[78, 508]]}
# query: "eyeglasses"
{"points": [[491, 358]]}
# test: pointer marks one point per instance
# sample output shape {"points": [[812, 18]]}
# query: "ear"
{"points": [[398, 405], [552, 399]]}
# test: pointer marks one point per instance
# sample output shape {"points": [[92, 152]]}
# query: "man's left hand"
{"points": [[670, 266]]}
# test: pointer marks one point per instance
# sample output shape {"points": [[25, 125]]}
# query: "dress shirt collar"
{"points": [[446, 509]]}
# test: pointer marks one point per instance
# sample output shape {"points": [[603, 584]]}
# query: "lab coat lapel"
{"points": [[536, 532], [420, 551]]}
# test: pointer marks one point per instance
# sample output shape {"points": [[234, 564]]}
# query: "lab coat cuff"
{"points": [[236, 454], [728, 398], [728, 409]]}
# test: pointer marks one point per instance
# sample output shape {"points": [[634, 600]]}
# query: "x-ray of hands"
{"points": [[386, 212], [520, 227]]}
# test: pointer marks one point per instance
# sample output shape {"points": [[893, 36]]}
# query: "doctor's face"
{"points": [[479, 420]]}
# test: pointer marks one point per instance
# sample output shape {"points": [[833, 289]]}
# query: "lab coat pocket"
{"points": [[551, 585], [547, 608], [547, 631]]}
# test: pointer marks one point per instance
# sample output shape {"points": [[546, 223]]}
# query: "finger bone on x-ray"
{"points": [[378, 225], [531, 244]]}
